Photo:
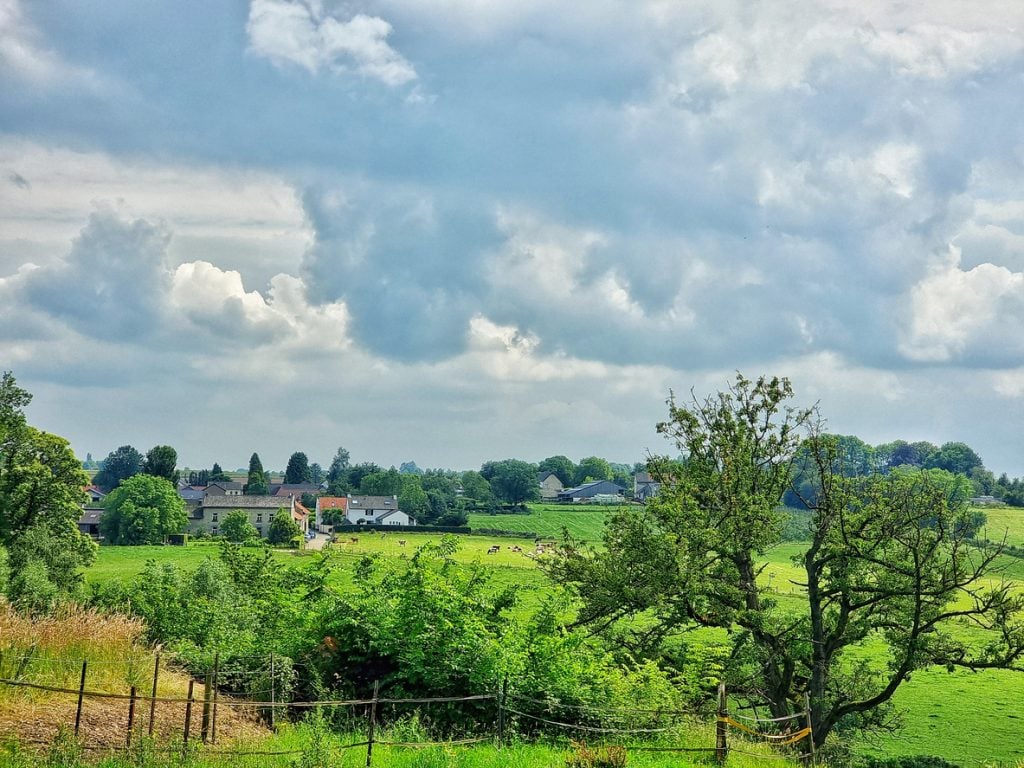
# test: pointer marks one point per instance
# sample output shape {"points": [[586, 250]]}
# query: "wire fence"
{"points": [[217, 722]]}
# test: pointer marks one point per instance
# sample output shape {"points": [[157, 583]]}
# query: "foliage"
{"points": [[337, 473], [142, 510], [297, 470], [386, 483], [907, 761], [316, 473], [283, 530], [477, 490], [888, 558], [161, 461], [257, 484], [595, 757], [593, 468], [562, 466], [119, 465], [41, 495], [236, 527], [512, 481], [218, 475]]}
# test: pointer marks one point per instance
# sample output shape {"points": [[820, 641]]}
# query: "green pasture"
{"points": [[1008, 521], [583, 521], [961, 716]]}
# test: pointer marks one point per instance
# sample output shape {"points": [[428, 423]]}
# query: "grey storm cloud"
{"points": [[404, 261], [112, 283]]}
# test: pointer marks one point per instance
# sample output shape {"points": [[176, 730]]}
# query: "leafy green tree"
{"points": [[257, 484], [218, 475], [236, 527], [887, 561], [412, 499], [118, 467], [316, 473], [958, 458], [298, 469], [202, 477], [162, 461], [388, 483], [283, 530], [409, 468], [337, 473], [144, 509], [477, 491], [512, 481], [593, 468], [562, 466], [41, 496]]}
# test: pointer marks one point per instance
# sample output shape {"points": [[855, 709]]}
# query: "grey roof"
{"points": [[593, 488], [279, 489], [245, 502], [542, 476], [355, 503], [191, 494], [90, 517], [227, 485]]}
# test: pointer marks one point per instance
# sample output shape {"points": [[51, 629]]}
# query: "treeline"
{"points": [[860, 459], [433, 497]]}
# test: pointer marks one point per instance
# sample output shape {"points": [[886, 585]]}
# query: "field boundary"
{"points": [[608, 724]]}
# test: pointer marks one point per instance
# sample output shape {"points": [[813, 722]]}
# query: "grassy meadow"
{"points": [[966, 717]]}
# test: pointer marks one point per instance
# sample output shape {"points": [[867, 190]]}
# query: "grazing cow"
{"points": [[401, 542], [354, 539], [493, 550], [517, 549]]}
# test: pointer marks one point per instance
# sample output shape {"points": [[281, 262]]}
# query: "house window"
{"points": [[259, 517], [215, 530], [215, 517]]}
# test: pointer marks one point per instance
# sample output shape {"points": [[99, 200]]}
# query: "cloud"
{"points": [[300, 32], [23, 53], [968, 315], [401, 259], [112, 283]]}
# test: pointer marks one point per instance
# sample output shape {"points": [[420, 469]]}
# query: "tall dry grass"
{"points": [[50, 649]]}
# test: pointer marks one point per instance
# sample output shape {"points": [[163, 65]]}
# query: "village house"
{"points": [[260, 510], [550, 486], [329, 504], [376, 510], [644, 487]]}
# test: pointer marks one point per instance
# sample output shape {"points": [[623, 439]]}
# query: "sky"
{"points": [[462, 230]]}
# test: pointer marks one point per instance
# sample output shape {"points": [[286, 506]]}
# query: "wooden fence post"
{"points": [[721, 726], [373, 723], [810, 736], [152, 700], [131, 718], [188, 713], [502, 693], [216, 678], [81, 695], [272, 692], [207, 701]]}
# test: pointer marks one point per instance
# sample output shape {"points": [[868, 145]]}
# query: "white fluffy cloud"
{"points": [[973, 313], [301, 32]]}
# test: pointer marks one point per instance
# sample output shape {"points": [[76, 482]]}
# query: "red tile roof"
{"points": [[333, 502]]}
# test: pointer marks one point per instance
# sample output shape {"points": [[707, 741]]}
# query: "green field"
{"points": [[1005, 520], [584, 521], [965, 717]]}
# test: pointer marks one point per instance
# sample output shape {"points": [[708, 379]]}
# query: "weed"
{"points": [[595, 757]]}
